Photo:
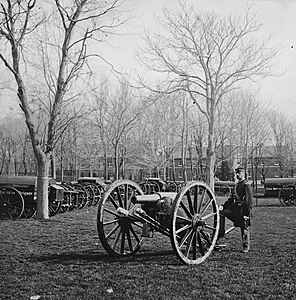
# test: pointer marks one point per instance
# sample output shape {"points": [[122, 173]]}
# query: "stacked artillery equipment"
{"points": [[282, 188], [190, 218], [18, 195]]}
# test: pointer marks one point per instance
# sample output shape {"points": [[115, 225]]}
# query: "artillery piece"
{"points": [[190, 218], [18, 196]]}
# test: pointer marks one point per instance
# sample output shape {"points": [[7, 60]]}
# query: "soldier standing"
{"points": [[238, 209]]}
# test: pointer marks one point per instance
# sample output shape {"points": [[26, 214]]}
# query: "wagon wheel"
{"points": [[90, 194], [144, 187], [82, 195], [119, 234], [154, 187], [223, 191], [72, 200], [171, 187], [98, 190], [29, 209], [54, 207], [194, 223], [287, 196], [11, 203]]}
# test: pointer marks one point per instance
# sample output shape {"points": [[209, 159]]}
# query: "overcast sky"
{"points": [[278, 17]]}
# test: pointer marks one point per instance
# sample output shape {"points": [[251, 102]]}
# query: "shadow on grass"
{"points": [[167, 257]]}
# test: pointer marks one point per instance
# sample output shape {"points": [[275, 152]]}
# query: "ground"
{"points": [[62, 258]]}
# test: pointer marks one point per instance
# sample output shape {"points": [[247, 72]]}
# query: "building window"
{"points": [[276, 163], [276, 173], [180, 175]]}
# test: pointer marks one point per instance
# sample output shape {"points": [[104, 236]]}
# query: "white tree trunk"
{"points": [[42, 187]]}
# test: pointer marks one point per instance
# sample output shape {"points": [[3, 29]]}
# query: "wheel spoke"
{"points": [[189, 200], [187, 212], [194, 246], [186, 227], [188, 246], [186, 236], [129, 240], [125, 196], [117, 238], [112, 231], [200, 245], [207, 206], [119, 197], [123, 232], [110, 222], [196, 192], [201, 200], [114, 213], [209, 215], [206, 237], [134, 234]]}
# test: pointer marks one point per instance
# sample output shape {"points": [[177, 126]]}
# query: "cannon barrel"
{"points": [[151, 198], [279, 182]]}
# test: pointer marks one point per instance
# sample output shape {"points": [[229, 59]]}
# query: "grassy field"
{"points": [[62, 258]]}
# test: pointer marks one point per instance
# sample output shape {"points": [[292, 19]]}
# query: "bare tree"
{"points": [[207, 54], [76, 24], [115, 114], [283, 139]]}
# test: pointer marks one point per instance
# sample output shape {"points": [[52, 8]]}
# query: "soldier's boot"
{"points": [[246, 240]]}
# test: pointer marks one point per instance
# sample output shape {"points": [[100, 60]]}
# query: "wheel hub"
{"points": [[197, 222]]}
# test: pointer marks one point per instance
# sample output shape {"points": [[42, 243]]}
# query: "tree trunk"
{"points": [[42, 184], [211, 151], [116, 163], [173, 168], [53, 170], [105, 165]]}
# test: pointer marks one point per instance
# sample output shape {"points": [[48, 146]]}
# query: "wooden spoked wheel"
{"points": [[11, 203], [30, 207], [82, 195], [120, 234], [287, 196], [98, 191], [54, 207], [194, 223]]}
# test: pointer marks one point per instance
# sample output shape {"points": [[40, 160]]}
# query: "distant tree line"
{"points": [[139, 133]]}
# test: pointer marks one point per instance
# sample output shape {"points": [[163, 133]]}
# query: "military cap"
{"points": [[239, 169]]}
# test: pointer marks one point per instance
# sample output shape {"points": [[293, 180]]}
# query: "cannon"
{"points": [[190, 218], [282, 188], [95, 187], [224, 188], [85, 192], [18, 196]]}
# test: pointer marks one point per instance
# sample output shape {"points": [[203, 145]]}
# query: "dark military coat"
{"points": [[244, 195]]}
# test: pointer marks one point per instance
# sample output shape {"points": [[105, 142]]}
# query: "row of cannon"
{"points": [[18, 193]]}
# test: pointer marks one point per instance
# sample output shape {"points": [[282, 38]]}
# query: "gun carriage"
{"points": [[18, 196], [224, 188], [190, 218], [282, 188]]}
